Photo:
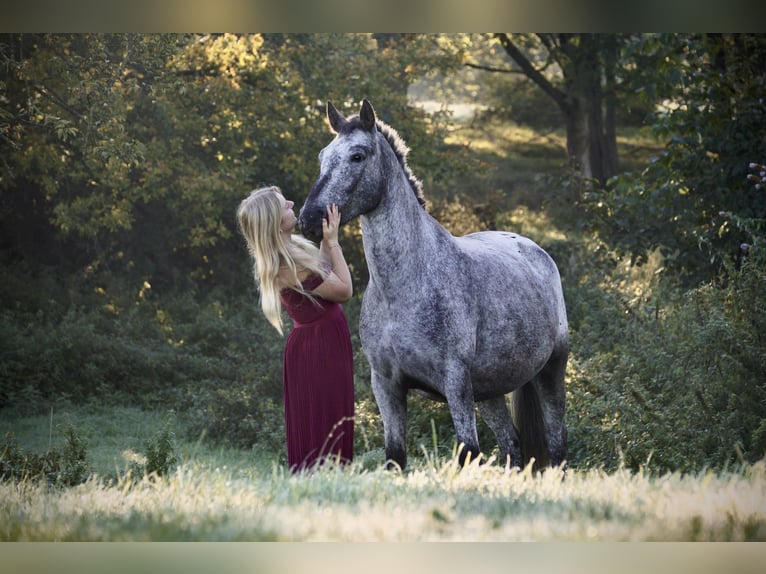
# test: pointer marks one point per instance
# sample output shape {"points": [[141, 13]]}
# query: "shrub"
{"points": [[160, 453], [66, 467], [674, 380], [76, 468], [17, 466], [237, 414]]}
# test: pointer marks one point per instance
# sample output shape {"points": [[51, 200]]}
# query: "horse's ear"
{"points": [[367, 115], [335, 118]]}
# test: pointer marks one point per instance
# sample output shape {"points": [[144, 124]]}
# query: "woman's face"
{"points": [[289, 220]]}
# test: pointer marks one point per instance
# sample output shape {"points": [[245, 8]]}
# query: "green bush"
{"points": [[217, 364], [76, 468], [237, 413], [66, 467], [671, 380], [17, 466], [160, 453]]}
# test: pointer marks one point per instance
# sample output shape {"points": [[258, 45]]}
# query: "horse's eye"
{"points": [[357, 157]]}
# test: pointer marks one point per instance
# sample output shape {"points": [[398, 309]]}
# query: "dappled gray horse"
{"points": [[464, 320]]}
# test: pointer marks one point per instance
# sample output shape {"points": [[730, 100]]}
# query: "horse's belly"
{"points": [[394, 354], [503, 368], [503, 351], [501, 380]]}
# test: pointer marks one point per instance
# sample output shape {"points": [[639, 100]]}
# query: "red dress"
{"points": [[318, 380]]}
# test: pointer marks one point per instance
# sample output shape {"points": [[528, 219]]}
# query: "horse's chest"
{"points": [[414, 339], [393, 334]]}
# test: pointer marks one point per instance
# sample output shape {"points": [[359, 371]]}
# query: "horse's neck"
{"points": [[395, 233]]}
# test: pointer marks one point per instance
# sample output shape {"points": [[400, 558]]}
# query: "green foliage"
{"points": [[66, 467], [144, 144], [85, 356], [17, 466], [519, 100], [76, 468], [239, 414], [160, 453], [713, 125], [667, 379], [672, 372], [218, 364]]}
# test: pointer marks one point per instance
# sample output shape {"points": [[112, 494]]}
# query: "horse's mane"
{"points": [[400, 150]]}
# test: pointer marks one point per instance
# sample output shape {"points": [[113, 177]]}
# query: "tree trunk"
{"points": [[588, 99], [590, 115]]}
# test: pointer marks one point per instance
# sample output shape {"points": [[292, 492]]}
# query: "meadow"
{"points": [[220, 494]]}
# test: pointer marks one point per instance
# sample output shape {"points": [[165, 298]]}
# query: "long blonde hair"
{"points": [[259, 217]]}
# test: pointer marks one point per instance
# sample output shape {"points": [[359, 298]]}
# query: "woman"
{"points": [[310, 282]]}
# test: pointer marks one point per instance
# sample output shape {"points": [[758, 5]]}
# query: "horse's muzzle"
{"points": [[310, 223]]}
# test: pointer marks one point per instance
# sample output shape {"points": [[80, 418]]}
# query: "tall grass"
{"points": [[216, 493], [201, 500]]}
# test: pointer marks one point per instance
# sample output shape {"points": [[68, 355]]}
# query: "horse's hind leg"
{"points": [[497, 416], [553, 403]]}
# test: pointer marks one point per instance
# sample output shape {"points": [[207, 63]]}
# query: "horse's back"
{"points": [[509, 266], [510, 255]]}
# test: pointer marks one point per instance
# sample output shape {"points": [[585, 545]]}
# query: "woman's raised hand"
{"points": [[330, 224]]}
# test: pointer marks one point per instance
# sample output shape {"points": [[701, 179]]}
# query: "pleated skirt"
{"points": [[318, 385]]}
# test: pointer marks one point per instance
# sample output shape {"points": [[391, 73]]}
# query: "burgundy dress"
{"points": [[318, 380]]}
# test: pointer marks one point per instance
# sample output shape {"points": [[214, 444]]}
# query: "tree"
{"points": [[63, 114], [693, 200], [129, 152], [587, 97]]}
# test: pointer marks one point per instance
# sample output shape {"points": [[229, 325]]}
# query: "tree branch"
{"points": [[492, 69], [51, 95], [531, 72]]}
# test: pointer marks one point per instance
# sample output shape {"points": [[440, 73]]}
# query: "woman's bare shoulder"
{"points": [[285, 277]]}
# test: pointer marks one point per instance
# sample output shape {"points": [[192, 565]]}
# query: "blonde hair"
{"points": [[259, 216]]}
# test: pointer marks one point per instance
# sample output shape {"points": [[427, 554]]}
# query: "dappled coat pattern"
{"points": [[465, 320]]}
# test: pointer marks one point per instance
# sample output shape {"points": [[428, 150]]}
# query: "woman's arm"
{"points": [[337, 287]]}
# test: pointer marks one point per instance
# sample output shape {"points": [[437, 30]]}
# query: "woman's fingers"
{"points": [[333, 215], [329, 223]]}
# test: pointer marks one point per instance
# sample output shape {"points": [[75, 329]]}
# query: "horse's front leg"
{"points": [[391, 397], [459, 394]]}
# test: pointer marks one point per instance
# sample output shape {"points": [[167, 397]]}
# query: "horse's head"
{"points": [[349, 173]]}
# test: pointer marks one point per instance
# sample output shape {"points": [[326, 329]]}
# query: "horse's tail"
{"points": [[528, 419]]}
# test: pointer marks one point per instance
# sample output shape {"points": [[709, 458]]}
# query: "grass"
{"points": [[229, 495], [510, 158], [111, 434]]}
